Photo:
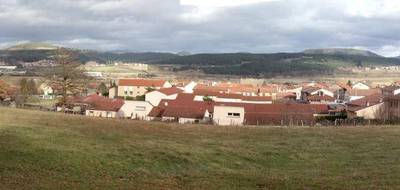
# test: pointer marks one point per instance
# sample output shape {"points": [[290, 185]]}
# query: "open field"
{"points": [[40, 150]]}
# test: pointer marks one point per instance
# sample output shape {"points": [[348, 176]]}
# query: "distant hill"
{"points": [[341, 51], [33, 46], [31, 52], [309, 62], [276, 64]]}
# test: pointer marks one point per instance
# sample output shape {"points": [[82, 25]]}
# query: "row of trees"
{"points": [[66, 79]]}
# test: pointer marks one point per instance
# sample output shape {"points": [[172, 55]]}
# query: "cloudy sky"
{"points": [[259, 26]]}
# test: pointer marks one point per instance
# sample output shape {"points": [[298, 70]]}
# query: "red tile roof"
{"points": [[96, 102], [185, 107], [276, 113], [107, 105], [257, 98], [317, 98], [365, 102], [358, 92], [141, 82], [170, 91]]}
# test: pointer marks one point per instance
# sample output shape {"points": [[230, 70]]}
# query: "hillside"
{"points": [[341, 51], [40, 150], [13, 56], [276, 64], [33, 46]]}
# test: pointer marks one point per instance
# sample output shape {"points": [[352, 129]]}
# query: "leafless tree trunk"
{"points": [[67, 78]]}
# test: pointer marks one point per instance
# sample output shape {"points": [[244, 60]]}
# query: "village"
{"points": [[230, 103]]}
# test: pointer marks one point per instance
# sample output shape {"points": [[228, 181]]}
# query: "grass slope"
{"points": [[41, 150]]}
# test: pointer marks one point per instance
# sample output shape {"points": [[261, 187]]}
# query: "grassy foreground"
{"points": [[41, 150]]}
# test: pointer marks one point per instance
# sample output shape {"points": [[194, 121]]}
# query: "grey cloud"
{"points": [[161, 25]]}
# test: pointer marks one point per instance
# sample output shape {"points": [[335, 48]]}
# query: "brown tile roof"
{"points": [[141, 82]]}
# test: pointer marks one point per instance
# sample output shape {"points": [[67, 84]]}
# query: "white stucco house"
{"points": [[135, 110], [360, 86], [228, 115], [155, 97]]}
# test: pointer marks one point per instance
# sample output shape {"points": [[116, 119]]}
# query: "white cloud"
{"points": [[220, 3], [389, 51]]}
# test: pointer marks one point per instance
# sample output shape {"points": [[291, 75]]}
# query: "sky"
{"points": [[204, 26]]}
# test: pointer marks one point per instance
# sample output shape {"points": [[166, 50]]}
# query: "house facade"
{"points": [[135, 110], [155, 97], [228, 115], [137, 87], [370, 107]]}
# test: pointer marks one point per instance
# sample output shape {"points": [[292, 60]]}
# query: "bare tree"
{"points": [[67, 78]]}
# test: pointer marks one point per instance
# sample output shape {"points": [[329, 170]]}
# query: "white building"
{"points": [[156, 96], [135, 110], [360, 86], [228, 115]]}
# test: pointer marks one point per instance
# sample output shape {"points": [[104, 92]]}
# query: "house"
{"points": [[137, 87], [104, 107], [202, 95], [316, 93], [228, 115], [391, 90], [392, 107], [135, 110], [268, 114], [185, 109], [369, 107], [155, 97], [97, 75], [93, 106], [46, 91], [360, 86], [320, 99], [189, 87], [355, 94]]}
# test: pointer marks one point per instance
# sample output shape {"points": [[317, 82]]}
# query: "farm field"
{"points": [[43, 150]]}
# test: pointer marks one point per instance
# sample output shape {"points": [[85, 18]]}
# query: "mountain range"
{"points": [[312, 61]]}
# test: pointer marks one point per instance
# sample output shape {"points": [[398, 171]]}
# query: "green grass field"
{"points": [[40, 150]]}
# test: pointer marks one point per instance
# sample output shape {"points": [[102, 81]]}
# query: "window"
{"points": [[131, 92], [233, 114], [108, 114], [140, 108]]}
